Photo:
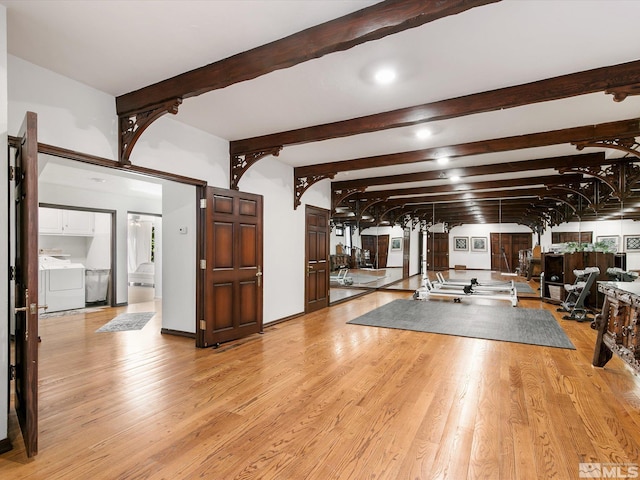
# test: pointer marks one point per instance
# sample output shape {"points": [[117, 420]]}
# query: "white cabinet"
{"points": [[53, 221], [76, 222], [50, 221]]}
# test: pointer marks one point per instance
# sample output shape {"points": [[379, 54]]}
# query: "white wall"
{"points": [[479, 260], [4, 247]]}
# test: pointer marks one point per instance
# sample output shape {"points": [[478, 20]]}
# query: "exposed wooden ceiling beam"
{"points": [[610, 130], [565, 86], [371, 23], [585, 159], [424, 192]]}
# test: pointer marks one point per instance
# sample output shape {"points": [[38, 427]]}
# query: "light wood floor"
{"points": [[315, 398]]}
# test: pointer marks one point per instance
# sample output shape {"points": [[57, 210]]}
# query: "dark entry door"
{"points": [[26, 282], [233, 265], [505, 248], [438, 251], [317, 259]]}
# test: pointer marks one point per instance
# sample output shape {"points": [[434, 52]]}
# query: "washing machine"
{"points": [[61, 284]]}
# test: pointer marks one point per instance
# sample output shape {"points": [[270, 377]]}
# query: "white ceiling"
{"points": [[120, 46]]}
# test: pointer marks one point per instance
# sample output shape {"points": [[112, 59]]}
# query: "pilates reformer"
{"points": [[577, 294], [486, 286], [342, 277], [504, 291]]}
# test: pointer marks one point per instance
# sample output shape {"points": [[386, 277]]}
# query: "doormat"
{"points": [[127, 321], [64, 313], [507, 324]]}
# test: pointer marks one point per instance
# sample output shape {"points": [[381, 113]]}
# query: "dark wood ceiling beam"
{"points": [[565, 86], [621, 129], [371, 23], [471, 186], [587, 159]]}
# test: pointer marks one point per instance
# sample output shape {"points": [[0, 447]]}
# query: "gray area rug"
{"points": [[522, 287], [127, 321], [508, 324]]}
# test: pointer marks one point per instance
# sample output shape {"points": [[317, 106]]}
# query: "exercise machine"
{"points": [[577, 294], [616, 274], [496, 286], [505, 291], [341, 278]]}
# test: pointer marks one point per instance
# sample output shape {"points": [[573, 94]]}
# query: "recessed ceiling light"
{"points": [[423, 133], [443, 160], [454, 178], [385, 76], [98, 180]]}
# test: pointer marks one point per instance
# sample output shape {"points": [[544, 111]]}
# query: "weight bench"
{"points": [[577, 294]]}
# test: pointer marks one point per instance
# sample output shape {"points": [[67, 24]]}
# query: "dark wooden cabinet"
{"points": [[558, 270]]}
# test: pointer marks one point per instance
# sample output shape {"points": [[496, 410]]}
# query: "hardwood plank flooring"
{"points": [[315, 398]]}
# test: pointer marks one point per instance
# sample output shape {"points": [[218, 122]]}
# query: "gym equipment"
{"points": [[485, 286], [505, 291], [578, 291], [341, 278], [618, 275]]}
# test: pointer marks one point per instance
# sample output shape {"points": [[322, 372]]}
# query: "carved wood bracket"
{"points": [[302, 184], [241, 162], [371, 201], [619, 177], [132, 125], [339, 195], [627, 145], [623, 91]]}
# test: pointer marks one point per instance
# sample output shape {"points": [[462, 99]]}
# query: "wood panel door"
{"points": [[233, 265], [378, 246], [505, 248], [437, 251], [317, 259], [26, 282]]}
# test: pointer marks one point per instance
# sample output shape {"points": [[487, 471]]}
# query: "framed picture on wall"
{"points": [[611, 241], [396, 243], [478, 244], [632, 243], [461, 243]]}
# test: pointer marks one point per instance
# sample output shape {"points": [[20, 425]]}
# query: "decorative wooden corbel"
{"points": [[623, 91], [575, 188], [627, 145], [302, 184], [371, 201], [133, 124], [241, 162], [338, 196], [619, 177]]}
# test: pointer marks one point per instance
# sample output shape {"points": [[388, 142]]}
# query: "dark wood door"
{"points": [[317, 259], [505, 248], [378, 247], [233, 265], [438, 251], [26, 283]]}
